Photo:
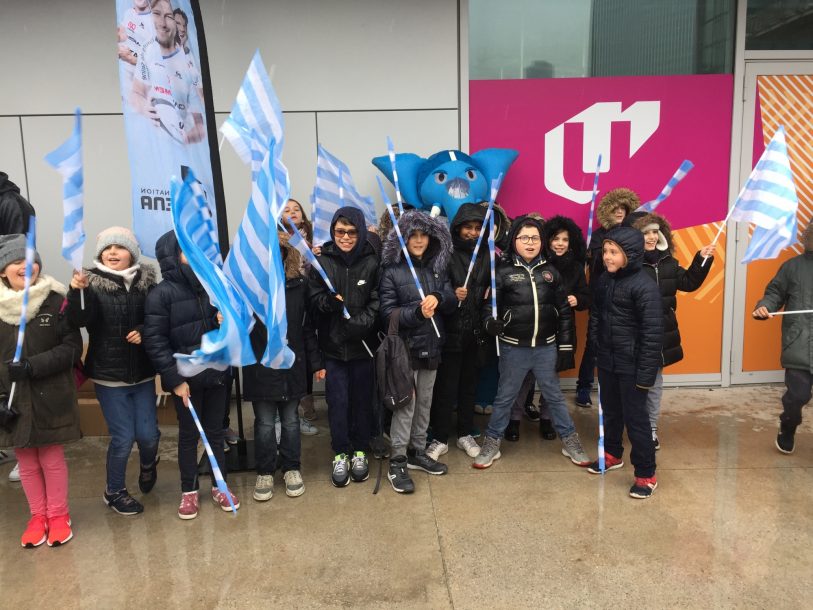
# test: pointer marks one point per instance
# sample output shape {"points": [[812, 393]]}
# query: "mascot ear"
{"points": [[407, 165], [494, 161]]}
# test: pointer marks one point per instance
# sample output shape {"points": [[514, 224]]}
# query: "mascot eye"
{"points": [[440, 177], [471, 174]]}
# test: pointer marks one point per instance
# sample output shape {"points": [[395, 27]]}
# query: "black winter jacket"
{"points": [[356, 279], [177, 314], [531, 300], [464, 321], [110, 313], [46, 401], [397, 287], [671, 277], [626, 320], [262, 383], [15, 211], [571, 264]]}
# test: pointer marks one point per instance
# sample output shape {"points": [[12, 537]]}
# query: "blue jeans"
{"points": [[265, 436], [130, 415], [515, 362]]}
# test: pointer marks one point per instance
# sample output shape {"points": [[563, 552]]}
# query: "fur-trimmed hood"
{"points": [[291, 258], [625, 198], [102, 282], [578, 246], [11, 301], [440, 241], [807, 237], [643, 220]]}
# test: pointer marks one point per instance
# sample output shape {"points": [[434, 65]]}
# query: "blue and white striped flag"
{"points": [[30, 252], [679, 175], [769, 200], [229, 344], [67, 160], [220, 482], [256, 118], [254, 264], [335, 189]]}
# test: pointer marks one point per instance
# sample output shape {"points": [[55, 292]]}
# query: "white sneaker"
{"points": [[437, 449], [469, 445], [294, 487], [306, 428], [264, 487], [14, 475]]}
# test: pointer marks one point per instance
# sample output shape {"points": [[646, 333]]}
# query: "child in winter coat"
{"points": [[177, 315], [792, 289], [352, 267], [663, 267], [616, 205], [534, 325], [44, 394], [626, 327], [430, 246], [115, 291], [456, 379], [278, 391]]}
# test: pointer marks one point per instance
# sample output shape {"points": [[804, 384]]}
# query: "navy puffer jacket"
{"points": [[626, 320], [177, 314], [531, 300], [397, 287]]}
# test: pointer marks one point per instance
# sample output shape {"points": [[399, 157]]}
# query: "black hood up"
{"points": [[578, 246], [440, 241], [468, 212], [519, 221], [631, 242], [356, 218], [167, 251], [6, 185]]}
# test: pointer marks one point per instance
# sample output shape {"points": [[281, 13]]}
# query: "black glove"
{"points": [[565, 360], [17, 371], [335, 304], [494, 327]]}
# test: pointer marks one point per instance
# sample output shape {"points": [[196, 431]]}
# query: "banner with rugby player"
{"points": [[168, 110]]}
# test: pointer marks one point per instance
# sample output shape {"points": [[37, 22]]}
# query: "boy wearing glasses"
{"points": [[534, 326], [352, 266]]}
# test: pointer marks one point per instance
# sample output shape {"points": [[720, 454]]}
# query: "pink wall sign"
{"points": [[643, 126]]}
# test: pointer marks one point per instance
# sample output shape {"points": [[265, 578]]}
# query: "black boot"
{"points": [[148, 476], [784, 440], [546, 429], [512, 431]]}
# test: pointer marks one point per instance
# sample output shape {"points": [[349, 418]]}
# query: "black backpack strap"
{"points": [[394, 321]]}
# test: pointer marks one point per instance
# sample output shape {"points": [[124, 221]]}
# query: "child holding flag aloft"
{"points": [[45, 391], [534, 326], [275, 392], [661, 265], [114, 291], [177, 315], [626, 328], [352, 268], [429, 246], [613, 208], [792, 289]]}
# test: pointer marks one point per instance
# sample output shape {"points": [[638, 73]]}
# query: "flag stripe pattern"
{"points": [[679, 175], [593, 203], [229, 344], [334, 189], [769, 200], [254, 264], [67, 160], [391, 153], [220, 482]]}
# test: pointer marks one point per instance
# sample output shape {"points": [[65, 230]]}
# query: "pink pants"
{"points": [[44, 475]]}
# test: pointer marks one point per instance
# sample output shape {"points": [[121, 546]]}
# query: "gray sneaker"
{"points": [[572, 448], [488, 453], [293, 484], [264, 487]]}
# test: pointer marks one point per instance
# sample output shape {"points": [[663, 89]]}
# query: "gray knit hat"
{"points": [[119, 236], [12, 248]]}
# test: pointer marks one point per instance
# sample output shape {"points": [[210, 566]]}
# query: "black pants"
{"points": [[455, 384], [587, 366], [625, 405], [796, 396], [209, 404], [349, 395]]}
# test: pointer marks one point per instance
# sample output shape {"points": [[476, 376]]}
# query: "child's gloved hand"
{"points": [[494, 327], [565, 360], [17, 371]]}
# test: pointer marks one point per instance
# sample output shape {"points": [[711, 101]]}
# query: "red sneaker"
{"points": [[36, 533], [610, 463], [59, 530], [643, 488], [218, 497], [189, 505]]}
